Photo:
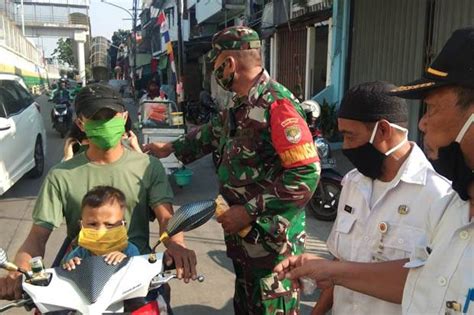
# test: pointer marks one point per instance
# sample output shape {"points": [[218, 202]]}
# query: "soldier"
{"points": [[268, 171]]}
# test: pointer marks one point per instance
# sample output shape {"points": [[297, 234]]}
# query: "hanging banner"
{"points": [[164, 30]]}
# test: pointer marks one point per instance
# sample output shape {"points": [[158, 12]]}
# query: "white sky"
{"points": [[106, 19]]}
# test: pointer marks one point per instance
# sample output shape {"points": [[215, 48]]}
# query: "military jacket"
{"points": [[268, 163]]}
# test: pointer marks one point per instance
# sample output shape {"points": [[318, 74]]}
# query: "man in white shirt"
{"points": [[441, 277], [388, 203], [441, 270]]}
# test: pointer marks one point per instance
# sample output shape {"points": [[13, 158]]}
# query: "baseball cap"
{"points": [[94, 97], [234, 38], [454, 65]]}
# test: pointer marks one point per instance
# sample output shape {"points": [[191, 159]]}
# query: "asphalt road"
{"points": [[214, 295]]}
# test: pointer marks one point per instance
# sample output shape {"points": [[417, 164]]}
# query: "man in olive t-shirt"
{"points": [[140, 177], [102, 115]]}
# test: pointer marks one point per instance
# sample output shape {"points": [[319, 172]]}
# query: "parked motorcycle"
{"points": [[94, 287], [325, 200], [202, 111]]}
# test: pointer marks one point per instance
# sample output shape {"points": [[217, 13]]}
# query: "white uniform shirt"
{"points": [[407, 207], [447, 273]]}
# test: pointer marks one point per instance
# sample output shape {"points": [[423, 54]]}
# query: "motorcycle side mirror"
{"points": [[5, 264], [188, 217], [313, 107]]}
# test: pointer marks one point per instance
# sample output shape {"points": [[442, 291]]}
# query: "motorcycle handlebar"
{"points": [[26, 302]]}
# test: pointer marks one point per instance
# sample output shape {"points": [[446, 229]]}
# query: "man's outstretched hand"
{"points": [[308, 266]]}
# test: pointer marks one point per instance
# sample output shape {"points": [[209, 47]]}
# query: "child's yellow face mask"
{"points": [[103, 241]]}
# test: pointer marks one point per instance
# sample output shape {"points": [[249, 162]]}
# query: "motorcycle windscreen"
{"points": [[91, 276]]}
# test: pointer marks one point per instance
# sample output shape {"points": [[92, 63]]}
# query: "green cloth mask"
{"points": [[225, 83], [105, 134]]}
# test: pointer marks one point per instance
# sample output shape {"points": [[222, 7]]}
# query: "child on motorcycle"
{"points": [[103, 230]]}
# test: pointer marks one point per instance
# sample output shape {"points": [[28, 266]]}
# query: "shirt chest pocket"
{"points": [[399, 241], [344, 227]]}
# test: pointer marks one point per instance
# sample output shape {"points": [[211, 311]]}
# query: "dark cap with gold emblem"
{"points": [[453, 66]]}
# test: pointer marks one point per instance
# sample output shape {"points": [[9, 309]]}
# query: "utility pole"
{"points": [[22, 17], [134, 47], [133, 39], [180, 65]]}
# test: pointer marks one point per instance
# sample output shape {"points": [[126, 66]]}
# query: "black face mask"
{"points": [[451, 164], [367, 159]]}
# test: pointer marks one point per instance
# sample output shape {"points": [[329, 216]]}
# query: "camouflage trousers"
{"points": [[258, 292]]}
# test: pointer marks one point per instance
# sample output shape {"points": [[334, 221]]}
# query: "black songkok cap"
{"points": [[369, 102]]}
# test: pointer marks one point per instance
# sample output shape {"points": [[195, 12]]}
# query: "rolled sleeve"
{"points": [[160, 191], [48, 210], [199, 141]]}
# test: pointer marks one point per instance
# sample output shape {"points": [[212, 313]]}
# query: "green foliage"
{"points": [[64, 51], [120, 37], [328, 122]]}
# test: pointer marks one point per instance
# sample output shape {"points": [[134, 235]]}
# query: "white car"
{"points": [[22, 133]]}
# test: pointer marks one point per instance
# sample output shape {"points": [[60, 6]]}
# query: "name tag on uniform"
{"points": [[348, 209]]}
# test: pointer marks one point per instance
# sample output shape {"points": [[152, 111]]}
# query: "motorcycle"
{"points": [[61, 117], [202, 111], [95, 287], [323, 205]]}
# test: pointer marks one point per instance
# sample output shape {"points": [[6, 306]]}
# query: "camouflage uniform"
{"points": [[269, 164]]}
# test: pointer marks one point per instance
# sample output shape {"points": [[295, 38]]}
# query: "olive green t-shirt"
{"points": [[140, 177]]}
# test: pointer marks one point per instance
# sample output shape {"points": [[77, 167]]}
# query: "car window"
{"points": [[3, 114], [24, 94], [10, 98]]}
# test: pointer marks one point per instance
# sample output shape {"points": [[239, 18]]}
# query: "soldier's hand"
{"points": [[158, 149], [235, 219], [10, 286]]}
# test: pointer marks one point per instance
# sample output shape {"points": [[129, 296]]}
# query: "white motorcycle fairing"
{"points": [[95, 287]]}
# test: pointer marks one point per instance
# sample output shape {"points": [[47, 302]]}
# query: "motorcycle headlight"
{"points": [[56, 112], [323, 148]]}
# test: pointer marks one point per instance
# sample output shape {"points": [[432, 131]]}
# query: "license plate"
{"points": [[60, 119], [328, 163]]}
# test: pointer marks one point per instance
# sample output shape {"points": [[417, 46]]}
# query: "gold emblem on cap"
{"points": [[383, 227], [412, 87], [436, 72], [403, 209]]}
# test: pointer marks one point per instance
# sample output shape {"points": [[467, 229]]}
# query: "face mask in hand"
{"points": [[367, 159], [451, 163], [105, 134]]}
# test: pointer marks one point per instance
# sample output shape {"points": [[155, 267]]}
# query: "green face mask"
{"points": [[105, 134]]}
